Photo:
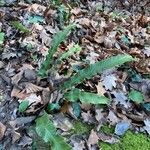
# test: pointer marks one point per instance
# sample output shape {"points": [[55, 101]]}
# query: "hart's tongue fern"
{"points": [[94, 69], [58, 38]]}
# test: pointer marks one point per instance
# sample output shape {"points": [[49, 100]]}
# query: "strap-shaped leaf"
{"points": [[19, 26], [76, 48], [46, 130], [58, 38], [93, 69], [85, 97]]}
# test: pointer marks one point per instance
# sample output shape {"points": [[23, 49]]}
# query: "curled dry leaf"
{"points": [[76, 11], [85, 21], [2, 130], [16, 92], [15, 136], [15, 79], [32, 88], [33, 99]]}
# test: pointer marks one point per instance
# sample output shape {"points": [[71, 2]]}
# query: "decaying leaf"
{"points": [[79, 146], [121, 98], [109, 82], [33, 99], [62, 122], [45, 38], [112, 118], [99, 115], [108, 138], [147, 51], [31, 88], [93, 138], [147, 125], [100, 89], [87, 117], [16, 92], [2, 130]]}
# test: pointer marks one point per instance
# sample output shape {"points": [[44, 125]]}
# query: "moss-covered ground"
{"points": [[130, 141]]}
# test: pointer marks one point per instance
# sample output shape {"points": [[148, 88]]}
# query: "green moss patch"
{"points": [[107, 129], [129, 141], [81, 128]]}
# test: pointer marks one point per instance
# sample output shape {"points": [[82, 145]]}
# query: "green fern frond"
{"points": [[58, 38], [47, 131], [94, 69], [76, 48], [85, 97], [19, 26]]}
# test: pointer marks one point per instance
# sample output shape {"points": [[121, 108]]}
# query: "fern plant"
{"points": [[44, 126], [46, 130], [58, 38]]}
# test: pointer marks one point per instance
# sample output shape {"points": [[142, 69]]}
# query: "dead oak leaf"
{"points": [[109, 81]]}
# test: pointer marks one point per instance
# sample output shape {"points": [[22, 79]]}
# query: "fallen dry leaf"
{"points": [[16, 92], [100, 89], [62, 122], [108, 138], [2, 130], [112, 118], [32, 88], [93, 138]]}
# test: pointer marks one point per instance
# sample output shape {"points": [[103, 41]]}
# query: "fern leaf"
{"points": [[58, 38], [85, 97], [46, 130], [76, 48], [19, 26], [93, 69]]}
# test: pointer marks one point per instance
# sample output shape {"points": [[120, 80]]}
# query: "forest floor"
{"points": [[104, 28]]}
